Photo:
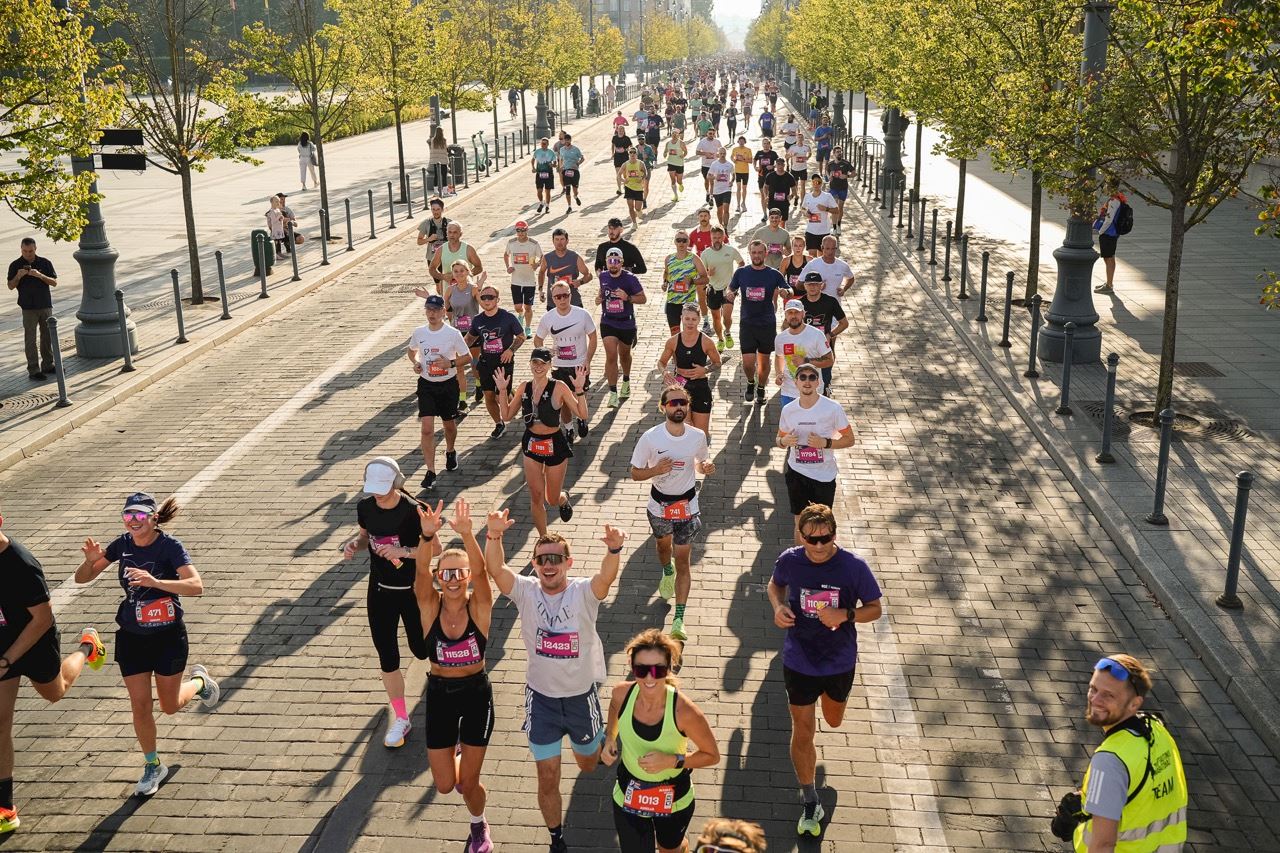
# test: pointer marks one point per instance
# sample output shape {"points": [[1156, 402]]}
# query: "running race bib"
{"points": [[813, 217], [463, 323], [813, 600], [521, 258], [544, 175], [656, 800], [569, 173], [782, 196], [794, 279], [567, 352], [680, 286], [464, 652], [542, 446], [393, 541], [493, 346], [755, 294], [681, 380], [800, 160], [438, 367], [809, 455], [775, 248], [3, 622], [613, 306], [678, 511], [156, 613], [552, 645]]}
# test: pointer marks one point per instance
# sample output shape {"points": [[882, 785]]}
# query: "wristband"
{"points": [[679, 762], [499, 536], [617, 550], [428, 538]]}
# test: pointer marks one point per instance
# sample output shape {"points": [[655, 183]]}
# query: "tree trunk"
{"points": [[1033, 255], [1172, 281], [959, 229], [193, 248], [453, 113], [324, 181], [398, 111], [524, 117], [495, 120]]}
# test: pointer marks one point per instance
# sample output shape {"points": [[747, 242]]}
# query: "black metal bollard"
{"points": [[222, 286], [1008, 308], [964, 267], [1032, 372], [911, 215], [933, 240], [1109, 405], [262, 270], [1157, 516], [982, 290], [324, 241], [902, 195], [391, 205], [874, 178], [1064, 404], [293, 253], [351, 245], [177, 307], [58, 370], [880, 185], [426, 191], [124, 333], [946, 264], [1228, 599], [373, 230], [923, 204], [408, 197]]}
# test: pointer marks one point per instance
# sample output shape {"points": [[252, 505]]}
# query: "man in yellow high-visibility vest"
{"points": [[1134, 796]]}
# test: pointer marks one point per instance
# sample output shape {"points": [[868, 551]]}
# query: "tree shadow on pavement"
{"points": [[102, 835]]}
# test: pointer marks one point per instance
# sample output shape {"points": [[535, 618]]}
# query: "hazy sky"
{"points": [[733, 16]]}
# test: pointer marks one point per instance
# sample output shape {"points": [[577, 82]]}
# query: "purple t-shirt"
{"points": [[843, 581], [618, 313]]}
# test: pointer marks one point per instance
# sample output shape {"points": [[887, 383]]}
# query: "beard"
{"points": [[677, 416]]}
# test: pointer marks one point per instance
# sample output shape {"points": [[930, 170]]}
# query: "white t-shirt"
{"points": [[525, 257], [570, 332], [789, 130], [657, 443], [810, 343], [721, 177], [799, 157], [819, 221], [721, 264], [832, 274], [825, 418], [566, 657], [708, 149], [437, 351]]}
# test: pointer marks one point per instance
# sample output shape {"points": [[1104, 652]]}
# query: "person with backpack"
{"points": [[1115, 219]]}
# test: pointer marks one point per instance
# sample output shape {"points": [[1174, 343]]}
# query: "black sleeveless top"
{"points": [[694, 356], [466, 650], [544, 412], [792, 274]]}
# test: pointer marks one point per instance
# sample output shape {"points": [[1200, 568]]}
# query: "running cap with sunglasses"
{"points": [[540, 354], [615, 252], [793, 305], [522, 224], [808, 369], [382, 475], [140, 502]]}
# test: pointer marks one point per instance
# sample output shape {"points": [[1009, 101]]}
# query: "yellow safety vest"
{"points": [[1154, 819]]}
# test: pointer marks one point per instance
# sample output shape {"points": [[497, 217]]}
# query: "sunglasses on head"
{"points": [[819, 540], [135, 516], [1113, 668], [453, 574], [643, 670], [676, 401], [548, 559]]}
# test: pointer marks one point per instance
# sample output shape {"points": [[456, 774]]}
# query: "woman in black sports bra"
{"points": [[696, 357], [546, 450], [459, 701], [793, 266]]}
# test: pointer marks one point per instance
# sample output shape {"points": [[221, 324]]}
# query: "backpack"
{"points": [[1124, 218]]}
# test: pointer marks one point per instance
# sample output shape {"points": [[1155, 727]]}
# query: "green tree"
{"points": [[185, 94], [1270, 227], [47, 111], [609, 51], [319, 61]]}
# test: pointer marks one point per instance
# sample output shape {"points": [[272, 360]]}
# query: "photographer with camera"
{"points": [[1134, 796], [33, 276]]}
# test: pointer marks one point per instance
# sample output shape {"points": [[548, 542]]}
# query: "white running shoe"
{"points": [[396, 732]]}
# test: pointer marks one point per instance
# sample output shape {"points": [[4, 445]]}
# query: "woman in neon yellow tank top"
{"points": [[684, 280], [650, 727]]}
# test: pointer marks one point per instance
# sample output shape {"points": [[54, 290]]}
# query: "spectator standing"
{"points": [[307, 161], [32, 276]]}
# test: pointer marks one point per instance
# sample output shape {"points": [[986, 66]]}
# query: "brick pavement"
{"points": [[964, 726]]}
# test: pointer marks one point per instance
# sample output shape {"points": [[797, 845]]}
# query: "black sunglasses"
{"points": [[819, 540], [642, 670], [676, 402], [548, 559]]}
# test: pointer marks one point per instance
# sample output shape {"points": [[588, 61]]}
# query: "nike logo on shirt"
{"points": [[556, 331]]}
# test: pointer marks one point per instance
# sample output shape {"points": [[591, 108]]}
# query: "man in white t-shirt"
{"points": [[837, 276], [670, 456], [575, 333], [798, 160], [817, 206], [566, 663], [708, 149], [810, 428], [720, 175], [439, 356], [789, 129], [522, 259], [798, 343]]}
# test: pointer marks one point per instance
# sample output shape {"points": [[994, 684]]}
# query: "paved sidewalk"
{"points": [[964, 726]]}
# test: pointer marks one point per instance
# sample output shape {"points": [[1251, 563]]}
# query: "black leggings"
{"points": [[638, 834], [387, 609]]}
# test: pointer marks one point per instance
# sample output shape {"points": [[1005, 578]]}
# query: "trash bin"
{"points": [[262, 250], [457, 164]]}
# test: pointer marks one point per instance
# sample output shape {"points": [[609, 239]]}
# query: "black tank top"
{"points": [[694, 356], [792, 274], [466, 650], [546, 413]]}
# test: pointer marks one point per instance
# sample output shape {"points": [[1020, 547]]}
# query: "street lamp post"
{"points": [[1073, 298], [837, 113], [895, 124]]}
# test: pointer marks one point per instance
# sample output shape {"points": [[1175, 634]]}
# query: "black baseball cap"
{"points": [[813, 276], [540, 354]]}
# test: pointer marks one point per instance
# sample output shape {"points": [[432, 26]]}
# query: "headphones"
{"points": [[389, 463]]}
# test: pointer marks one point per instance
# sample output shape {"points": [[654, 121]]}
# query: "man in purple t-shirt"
{"points": [[818, 592]]}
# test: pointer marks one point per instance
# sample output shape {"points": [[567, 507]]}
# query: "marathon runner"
{"points": [[651, 724], [684, 280], [619, 292], [823, 136], [563, 264], [674, 153], [720, 174], [798, 343], [798, 162], [824, 313], [647, 153], [439, 356], [566, 663], [461, 306], [815, 593], [764, 160], [837, 275], [570, 170], [762, 288], [451, 251], [778, 188], [543, 165], [620, 144], [696, 358], [789, 129], [494, 337], [838, 170], [155, 572], [700, 234], [721, 261], [459, 700], [632, 260], [766, 123], [388, 529], [741, 171], [818, 206], [575, 335], [523, 257], [731, 120], [775, 238], [29, 647], [810, 429], [708, 147], [670, 456], [635, 178], [431, 231]]}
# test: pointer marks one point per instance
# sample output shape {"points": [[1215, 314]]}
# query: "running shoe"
{"points": [[464, 400], [97, 654], [429, 479], [8, 820], [479, 842], [569, 209], [451, 460], [479, 393], [209, 692], [619, 192], [528, 333], [811, 820], [152, 776], [675, 195], [624, 390], [613, 399], [720, 345], [667, 586], [677, 630], [728, 341], [1104, 288], [558, 846], [396, 732], [566, 510], [583, 429], [498, 429], [760, 396], [751, 393], [706, 326], [577, 200]]}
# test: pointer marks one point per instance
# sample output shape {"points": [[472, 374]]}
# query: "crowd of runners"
{"points": [[440, 599]]}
